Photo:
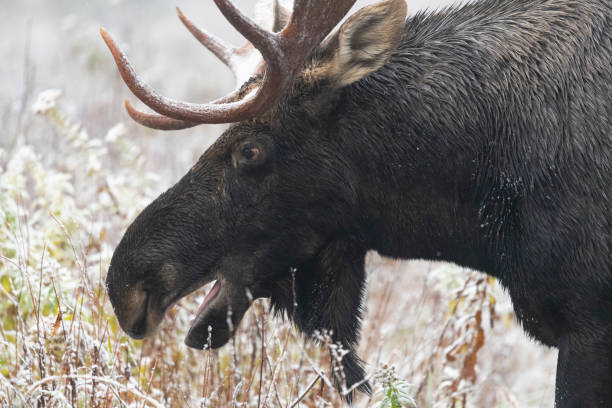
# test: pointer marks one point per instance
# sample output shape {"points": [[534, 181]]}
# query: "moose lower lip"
{"points": [[209, 297]]}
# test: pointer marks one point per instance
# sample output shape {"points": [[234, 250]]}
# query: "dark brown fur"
{"points": [[486, 140]]}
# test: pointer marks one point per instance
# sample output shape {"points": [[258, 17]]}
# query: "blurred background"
{"points": [[74, 170]]}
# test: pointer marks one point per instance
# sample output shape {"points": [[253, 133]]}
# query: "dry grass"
{"points": [[433, 333]]}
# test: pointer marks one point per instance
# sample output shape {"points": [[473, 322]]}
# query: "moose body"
{"points": [[479, 135]]}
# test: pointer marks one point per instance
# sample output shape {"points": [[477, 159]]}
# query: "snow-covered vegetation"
{"points": [[74, 172]]}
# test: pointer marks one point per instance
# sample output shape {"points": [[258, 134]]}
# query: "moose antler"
{"points": [[243, 61], [284, 53]]}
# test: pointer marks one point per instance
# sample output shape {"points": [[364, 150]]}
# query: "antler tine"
{"points": [[156, 121], [217, 46], [191, 112], [243, 61], [162, 122], [265, 41]]}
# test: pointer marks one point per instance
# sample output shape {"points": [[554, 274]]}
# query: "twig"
{"points": [[59, 306], [263, 351], [306, 390]]}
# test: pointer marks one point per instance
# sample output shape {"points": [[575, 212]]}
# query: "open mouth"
{"points": [[210, 296], [219, 315]]}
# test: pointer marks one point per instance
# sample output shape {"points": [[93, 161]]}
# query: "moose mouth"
{"points": [[208, 298], [219, 315]]}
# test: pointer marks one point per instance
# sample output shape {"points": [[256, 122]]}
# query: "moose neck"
{"points": [[418, 195], [429, 121]]}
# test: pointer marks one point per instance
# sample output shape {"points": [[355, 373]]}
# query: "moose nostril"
{"points": [[138, 329]]}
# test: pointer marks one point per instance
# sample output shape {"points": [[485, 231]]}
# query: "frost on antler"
{"points": [[283, 53]]}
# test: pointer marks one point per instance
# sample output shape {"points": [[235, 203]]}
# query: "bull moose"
{"points": [[479, 134]]}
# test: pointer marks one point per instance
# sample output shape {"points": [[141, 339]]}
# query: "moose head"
{"points": [[271, 208]]}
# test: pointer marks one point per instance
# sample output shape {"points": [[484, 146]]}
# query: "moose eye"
{"points": [[248, 154]]}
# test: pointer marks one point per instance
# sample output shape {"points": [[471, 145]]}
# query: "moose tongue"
{"points": [[219, 315], [210, 296]]}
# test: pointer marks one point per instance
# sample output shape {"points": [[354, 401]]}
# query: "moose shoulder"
{"points": [[480, 135]]}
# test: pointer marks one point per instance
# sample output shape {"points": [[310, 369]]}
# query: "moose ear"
{"points": [[363, 44]]}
